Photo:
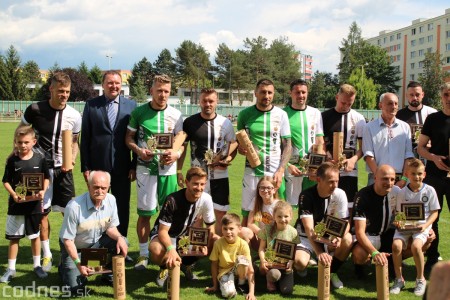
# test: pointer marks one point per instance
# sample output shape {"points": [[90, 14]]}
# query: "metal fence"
{"points": [[13, 110]]}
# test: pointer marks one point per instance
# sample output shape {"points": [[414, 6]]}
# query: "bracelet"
{"points": [[120, 236], [76, 261], [374, 253], [170, 247], [404, 178], [179, 172]]}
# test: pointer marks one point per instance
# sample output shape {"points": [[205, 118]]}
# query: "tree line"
{"points": [[365, 66]]}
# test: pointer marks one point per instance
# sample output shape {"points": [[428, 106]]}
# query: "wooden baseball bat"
{"points": [[338, 145], [173, 283], [382, 276], [323, 289], [118, 263], [179, 139], [67, 149], [252, 155]]}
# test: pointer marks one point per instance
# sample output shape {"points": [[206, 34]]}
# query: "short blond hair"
{"points": [[162, 78], [347, 89]]}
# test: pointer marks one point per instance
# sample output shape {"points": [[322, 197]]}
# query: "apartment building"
{"points": [[407, 47]]}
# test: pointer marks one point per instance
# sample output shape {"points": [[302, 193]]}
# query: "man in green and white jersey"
{"points": [[268, 128], [306, 130], [155, 174]]}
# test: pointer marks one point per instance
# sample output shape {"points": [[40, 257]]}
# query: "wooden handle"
{"points": [[244, 142], [67, 149], [118, 263], [323, 289], [382, 276], [173, 283]]}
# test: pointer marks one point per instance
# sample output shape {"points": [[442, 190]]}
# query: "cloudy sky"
{"points": [[71, 31]]}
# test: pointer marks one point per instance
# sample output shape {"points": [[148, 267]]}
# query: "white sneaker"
{"points": [[47, 263], [420, 288], [335, 281], [227, 287], [398, 285], [142, 263], [9, 274]]}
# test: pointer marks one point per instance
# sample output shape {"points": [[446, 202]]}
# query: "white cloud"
{"points": [[45, 30]]}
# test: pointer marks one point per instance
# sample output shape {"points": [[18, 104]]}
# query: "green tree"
{"points": [[357, 53], [366, 97], [432, 77], [95, 74], [12, 84], [286, 67], [81, 88], [259, 62], [191, 67], [142, 71], [140, 91], [31, 74], [322, 90], [164, 65], [83, 68]]}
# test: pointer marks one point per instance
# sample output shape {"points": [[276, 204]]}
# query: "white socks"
{"points": [[143, 249], [12, 264], [36, 261], [45, 245]]}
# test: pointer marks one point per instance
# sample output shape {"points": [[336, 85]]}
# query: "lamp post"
{"points": [[109, 61], [231, 92]]}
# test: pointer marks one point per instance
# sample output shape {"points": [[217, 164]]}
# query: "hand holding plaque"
{"points": [[31, 183], [195, 243], [279, 256], [327, 232], [160, 142], [95, 259], [407, 220]]}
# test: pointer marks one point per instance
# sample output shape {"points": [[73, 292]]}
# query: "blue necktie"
{"points": [[112, 113]]}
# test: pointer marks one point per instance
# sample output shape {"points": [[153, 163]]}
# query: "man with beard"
{"points": [[416, 112], [209, 131], [268, 129], [437, 131]]}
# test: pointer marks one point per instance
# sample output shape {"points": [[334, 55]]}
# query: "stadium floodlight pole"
{"points": [[109, 61]]}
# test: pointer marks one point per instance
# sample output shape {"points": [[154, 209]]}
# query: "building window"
{"points": [[413, 54], [391, 48], [398, 47], [413, 31], [398, 57], [447, 33], [430, 26], [430, 38], [448, 59], [384, 40], [429, 50], [420, 64], [379, 42], [447, 47], [411, 77], [391, 38], [421, 40], [412, 65], [399, 36], [420, 29], [421, 52], [413, 43]]}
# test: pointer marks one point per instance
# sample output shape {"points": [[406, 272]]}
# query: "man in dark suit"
{"points": [[103, 147]]}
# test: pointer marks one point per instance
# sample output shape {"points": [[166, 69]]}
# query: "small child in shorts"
{"points": [[24, 216], [231, 256], [414, 192]]}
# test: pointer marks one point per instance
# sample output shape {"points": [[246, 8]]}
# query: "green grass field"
{"points": [[141, 285]]}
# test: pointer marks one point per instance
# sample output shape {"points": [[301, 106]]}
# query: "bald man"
{"points": [[372, 214]]}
